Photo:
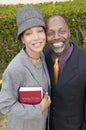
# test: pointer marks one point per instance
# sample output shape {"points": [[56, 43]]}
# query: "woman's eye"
{"points": [[29, 33], [41, 30]]}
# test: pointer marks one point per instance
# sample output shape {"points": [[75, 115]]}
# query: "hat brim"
{"points": [[29, 24]]}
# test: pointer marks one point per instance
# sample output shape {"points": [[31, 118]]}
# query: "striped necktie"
{"points": [[56, 70]]}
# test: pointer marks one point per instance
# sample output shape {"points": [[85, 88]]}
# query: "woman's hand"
{"points": [[45, 103]]}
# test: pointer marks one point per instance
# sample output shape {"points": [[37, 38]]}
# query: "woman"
{"points": [[28, 68]]}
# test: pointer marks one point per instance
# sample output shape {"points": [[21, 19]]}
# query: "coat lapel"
{"points": [[49, 62], [45, 68], [70, 69]]}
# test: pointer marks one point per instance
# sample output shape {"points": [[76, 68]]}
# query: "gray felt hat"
{"points": [[28, 17]]}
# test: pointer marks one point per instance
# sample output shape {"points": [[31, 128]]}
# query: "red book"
{"points": [[30, 95]]}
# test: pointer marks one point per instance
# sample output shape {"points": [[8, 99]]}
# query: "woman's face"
{"points": [[34, 39]]}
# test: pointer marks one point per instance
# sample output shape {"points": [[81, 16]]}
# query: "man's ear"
{"points": [[69, 33]]}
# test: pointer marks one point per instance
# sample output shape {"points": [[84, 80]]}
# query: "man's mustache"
{"points": [[57, 41]]}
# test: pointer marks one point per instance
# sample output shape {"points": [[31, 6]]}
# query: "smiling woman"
{"points": [[28, 68]]}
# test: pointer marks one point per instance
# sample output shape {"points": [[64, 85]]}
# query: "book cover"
{"points": [[30, 95]]}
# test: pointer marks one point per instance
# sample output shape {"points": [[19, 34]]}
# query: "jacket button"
{"points": [[54, 97], [54, 109]]}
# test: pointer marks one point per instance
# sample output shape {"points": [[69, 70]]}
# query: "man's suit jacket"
{"points": [[68, 108]]}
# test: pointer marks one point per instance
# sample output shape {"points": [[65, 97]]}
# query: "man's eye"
{"points": [[62, 32], [50, 33]]}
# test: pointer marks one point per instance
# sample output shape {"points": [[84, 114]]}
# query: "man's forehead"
{"points": [[55, 19]]}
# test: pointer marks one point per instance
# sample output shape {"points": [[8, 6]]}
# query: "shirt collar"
{"points": [[63, 58]]}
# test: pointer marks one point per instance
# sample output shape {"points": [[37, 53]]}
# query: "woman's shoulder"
{"points": [[15, 64]]}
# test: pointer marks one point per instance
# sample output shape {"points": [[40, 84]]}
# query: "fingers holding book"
{"points": [[45, 103]]}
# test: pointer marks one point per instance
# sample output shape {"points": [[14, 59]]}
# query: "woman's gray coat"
{"points": [[20, 72]]}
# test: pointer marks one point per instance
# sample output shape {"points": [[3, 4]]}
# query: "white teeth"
{"points": [[58, 44], [37, 44]]}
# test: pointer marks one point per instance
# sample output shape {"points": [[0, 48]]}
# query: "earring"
{"points": [[23, 42]]}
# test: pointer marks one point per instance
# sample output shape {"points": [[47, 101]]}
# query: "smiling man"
{"points": [[58, 34], [68, 95]]}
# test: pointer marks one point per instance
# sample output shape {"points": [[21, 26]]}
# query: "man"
{"points": [[68, 95]]}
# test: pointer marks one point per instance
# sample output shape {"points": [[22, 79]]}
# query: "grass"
{"points": [[3, 118], [3, 122]]}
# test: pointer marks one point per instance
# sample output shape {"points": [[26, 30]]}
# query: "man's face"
{"points": [[58, 34]]}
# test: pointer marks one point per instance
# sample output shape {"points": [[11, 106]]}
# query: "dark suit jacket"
{"points": [[68, 108]]}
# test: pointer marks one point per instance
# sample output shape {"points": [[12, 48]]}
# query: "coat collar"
{"points": [[70, 69], [28, 64]]}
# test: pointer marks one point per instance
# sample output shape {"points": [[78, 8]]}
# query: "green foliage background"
{"points": [[9, 46]]}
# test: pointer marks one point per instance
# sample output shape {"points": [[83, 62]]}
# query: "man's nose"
{"points": [[56, 35]]}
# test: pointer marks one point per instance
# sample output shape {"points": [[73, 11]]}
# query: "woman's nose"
{"points": [[36, 36]]}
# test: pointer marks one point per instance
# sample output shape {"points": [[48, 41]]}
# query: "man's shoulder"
{"points": [[80, 51], [80, 54], [47, 51]]}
